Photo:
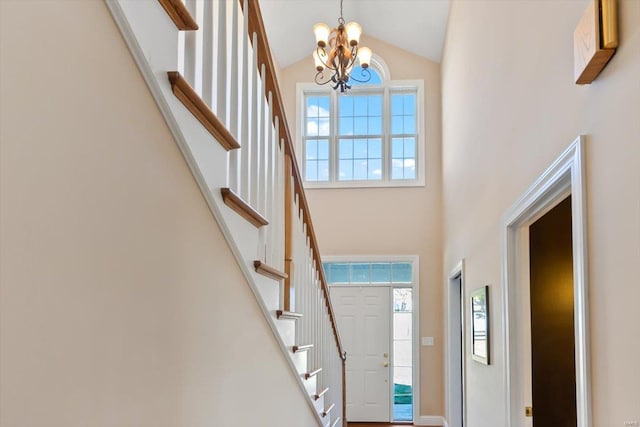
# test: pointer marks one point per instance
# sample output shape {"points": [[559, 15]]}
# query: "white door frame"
{"points": [[450, 359], [563, 178], [415, 300]]}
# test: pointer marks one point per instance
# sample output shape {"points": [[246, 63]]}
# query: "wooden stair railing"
{"points": [[256, 25], [257, 30]]}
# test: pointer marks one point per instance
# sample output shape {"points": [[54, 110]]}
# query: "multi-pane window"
{"points": [[368, 272], [403, 136], [370, 136], [318, 123], [360, 137]]}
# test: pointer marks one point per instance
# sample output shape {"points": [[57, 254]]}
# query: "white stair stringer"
{"points": [[152, 40], [300, 360]]}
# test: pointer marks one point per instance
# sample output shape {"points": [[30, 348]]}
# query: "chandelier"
{"points": [[336, 52]]}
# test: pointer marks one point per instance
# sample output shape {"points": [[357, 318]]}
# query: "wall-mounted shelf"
{"points": [[595, 40]]}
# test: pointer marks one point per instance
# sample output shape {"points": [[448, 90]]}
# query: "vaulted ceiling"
{"points": [[417, 26]]}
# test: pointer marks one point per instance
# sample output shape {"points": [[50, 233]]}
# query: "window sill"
{"points": [[311, 185]]}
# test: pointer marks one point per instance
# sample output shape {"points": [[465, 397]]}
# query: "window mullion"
{"points": [[333, 153], [386, 131]]}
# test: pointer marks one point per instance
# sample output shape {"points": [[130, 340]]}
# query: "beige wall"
{"points": [[120, 302], [510, 107], [390, 221]]}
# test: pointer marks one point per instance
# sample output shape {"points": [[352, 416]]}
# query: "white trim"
{"points": [[565, 176], [415, 300], [457, 271], [381, 67], [430, 420], [371, 258]]}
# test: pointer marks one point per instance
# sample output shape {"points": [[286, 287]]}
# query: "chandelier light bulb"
{"points": [[364, 55], [354, 30], [321, 32]]}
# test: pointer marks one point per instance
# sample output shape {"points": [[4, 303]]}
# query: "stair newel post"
{"points": [[289, 299]]}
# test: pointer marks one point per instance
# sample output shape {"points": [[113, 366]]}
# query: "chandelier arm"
{"points": [[326, 65], [319, 77], [365, 72], [354, 56]]}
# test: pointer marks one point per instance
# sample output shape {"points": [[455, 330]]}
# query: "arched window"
{"points": [[370, 136], [360, 75]]}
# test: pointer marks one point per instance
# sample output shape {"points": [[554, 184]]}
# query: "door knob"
{"points": [[385, 355], [385, 364]]}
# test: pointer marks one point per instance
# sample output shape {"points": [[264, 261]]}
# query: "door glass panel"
{"points": [[402, 355]]}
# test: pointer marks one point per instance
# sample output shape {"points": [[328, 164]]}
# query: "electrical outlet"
{"points": [[631, 423]]}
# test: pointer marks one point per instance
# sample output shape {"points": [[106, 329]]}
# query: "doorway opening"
{"points": [[561, 185], [553, 370], [375, 301], [455, 398]]}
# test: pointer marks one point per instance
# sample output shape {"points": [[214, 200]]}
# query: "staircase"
{"points": [[209, 68]]}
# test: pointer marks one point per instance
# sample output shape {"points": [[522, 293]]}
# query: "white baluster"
{"points": [[206, 92], [280, 212], [264, 122], [273, 211], [245, 124], [221, 63], [192, 48], [234, 90], [270, 156]]}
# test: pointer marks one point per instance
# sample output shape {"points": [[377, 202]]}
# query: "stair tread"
{"points": [[242, 208], [179, 14], [327, 410], [319, 395], [305, 347], [312, 374], [201, 111], [267, 270], [282, 314]]}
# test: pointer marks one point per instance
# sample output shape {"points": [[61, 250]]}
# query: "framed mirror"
{"points": [[480, 337]]}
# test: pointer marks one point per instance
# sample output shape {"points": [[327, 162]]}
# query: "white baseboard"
{"points": [[430, 420]]}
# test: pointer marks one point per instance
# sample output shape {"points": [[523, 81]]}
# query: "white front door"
{"points": [[363, 315]]}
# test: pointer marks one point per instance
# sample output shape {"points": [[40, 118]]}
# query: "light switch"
{"points": [[427, 341]]}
